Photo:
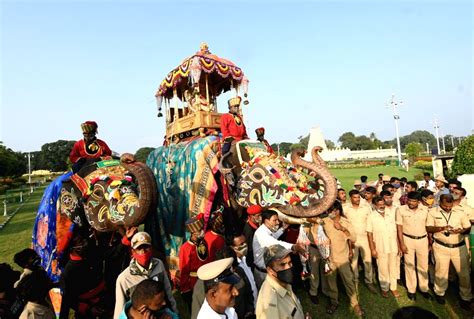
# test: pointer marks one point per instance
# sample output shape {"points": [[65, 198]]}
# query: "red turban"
{"points": [[254, 209], [260, 131], [89, 127]]}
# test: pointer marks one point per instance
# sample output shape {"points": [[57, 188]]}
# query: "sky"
{"points": [[334, 64]]}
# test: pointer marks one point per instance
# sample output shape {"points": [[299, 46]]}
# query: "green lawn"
{"points": [[347, 175], [17, 235]]}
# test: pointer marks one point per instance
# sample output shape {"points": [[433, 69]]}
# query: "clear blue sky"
{"points": [[333, 64]]}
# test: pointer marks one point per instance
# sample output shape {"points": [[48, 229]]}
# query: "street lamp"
{"points": [[394, 105], [436, 127], [29, 171]]}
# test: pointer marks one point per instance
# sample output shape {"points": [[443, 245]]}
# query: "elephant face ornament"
{"points": [[110, 196]]}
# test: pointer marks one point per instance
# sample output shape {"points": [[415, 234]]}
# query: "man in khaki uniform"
{"points": [[413, 241], [459, 202], [357, 215], [276, 299], [382, 235], [342, 236], [449, 225], [391, 207]]}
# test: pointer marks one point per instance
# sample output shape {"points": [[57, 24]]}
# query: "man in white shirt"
{"points": [[427, 182], [265, 236], [219, 281]]}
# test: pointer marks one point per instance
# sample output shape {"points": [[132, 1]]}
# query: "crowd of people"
{"points": [[392, 231]]}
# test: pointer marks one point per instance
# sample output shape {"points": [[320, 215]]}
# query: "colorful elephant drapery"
{"points": [[51, 230], [184, 174]]}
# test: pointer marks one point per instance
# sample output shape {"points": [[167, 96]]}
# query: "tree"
{"points": [[285, 148], [330, 144], [304, 141], [421, 137], [348, 140], [297, 146], [11, 163], [142, 154], [413, 150], [55, 156], [463, 162]]}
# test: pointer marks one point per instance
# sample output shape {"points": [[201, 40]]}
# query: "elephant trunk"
{"points": [[327, 184]]}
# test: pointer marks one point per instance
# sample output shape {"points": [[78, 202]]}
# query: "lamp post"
{"points": [[29, 172], [394, 105], [436, 127], [427, 148], [444, 145]]}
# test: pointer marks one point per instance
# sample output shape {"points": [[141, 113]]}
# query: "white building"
{"points": [[316, 138]]}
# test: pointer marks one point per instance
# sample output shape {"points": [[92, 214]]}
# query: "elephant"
{"points": [[192, 177], [108, 194]]}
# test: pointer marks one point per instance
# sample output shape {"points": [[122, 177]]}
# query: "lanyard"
{"points": [[446, 219]]}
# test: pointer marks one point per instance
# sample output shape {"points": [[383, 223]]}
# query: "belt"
{"points": [[260, 269], [314, 246], [461, 243], [415, 237]]}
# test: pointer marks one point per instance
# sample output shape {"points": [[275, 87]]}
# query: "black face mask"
{"points": [[285, 275]]}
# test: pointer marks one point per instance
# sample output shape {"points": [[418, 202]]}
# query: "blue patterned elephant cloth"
{"points": [[184, 175], [44, 236]]}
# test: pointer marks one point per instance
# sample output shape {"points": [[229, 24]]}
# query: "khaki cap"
{"points": [[357, 182], [441, 178], [386, 178], [274, 252], [140, 238], [218, 271]]}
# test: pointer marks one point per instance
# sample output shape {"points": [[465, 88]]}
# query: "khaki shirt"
{"points": [[339, 245], [468, 210], [384, 231], [357, 216], [413, 221], [457, 219], [277, 302]]}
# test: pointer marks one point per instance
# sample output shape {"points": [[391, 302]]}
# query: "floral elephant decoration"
{"points": [[108, 194], [193, 178]]}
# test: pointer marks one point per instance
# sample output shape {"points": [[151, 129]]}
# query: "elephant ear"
{"points": [[121, 196], [147, 191]]}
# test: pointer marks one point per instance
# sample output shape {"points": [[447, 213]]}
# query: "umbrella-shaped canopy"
{"points": [[221, 75]]}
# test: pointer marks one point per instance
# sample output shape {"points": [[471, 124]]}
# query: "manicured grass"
{"points": [[347, 175], [17, 233]]}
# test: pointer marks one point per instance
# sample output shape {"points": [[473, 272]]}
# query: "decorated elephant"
{"points": [[193, 178], [105, 194]]}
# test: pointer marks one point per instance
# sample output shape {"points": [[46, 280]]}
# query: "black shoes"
{"points": [[314, 299], [411, 296], [440, 299], [466, 305], [426, 295]]}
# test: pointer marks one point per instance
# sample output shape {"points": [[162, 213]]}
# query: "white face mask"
{"points": [[456, 196], [380, 210]]}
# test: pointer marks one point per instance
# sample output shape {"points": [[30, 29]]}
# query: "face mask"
{"points": [[332, 215], [381, 210], [429, 201], [143, 259], [242, 249], [456, 196], [396, 185], [285, 275]]}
